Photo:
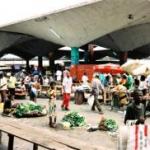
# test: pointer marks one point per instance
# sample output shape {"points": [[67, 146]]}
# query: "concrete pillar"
{"points": [[40, 62], [74, 55], [91, 53], [51, 61], [86, 57], [51, 64], [123, 57], [27, 65]]}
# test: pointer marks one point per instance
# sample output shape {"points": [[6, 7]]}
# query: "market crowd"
{"points": [[125, 92]]}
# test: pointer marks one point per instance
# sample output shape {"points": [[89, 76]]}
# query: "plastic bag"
{"points": [[91, 100]]}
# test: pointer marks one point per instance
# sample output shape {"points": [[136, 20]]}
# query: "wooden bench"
{"points": [[41, 137]]}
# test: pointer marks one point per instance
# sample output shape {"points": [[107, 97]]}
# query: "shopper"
{"points": [[97, 88], [67, 88]]}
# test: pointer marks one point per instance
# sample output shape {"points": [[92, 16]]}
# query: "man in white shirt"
{"points": [[58, 75], [67, 88]]}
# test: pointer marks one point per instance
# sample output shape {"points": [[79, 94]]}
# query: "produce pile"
{"points": [[73, 119], [108, 125], [29, 109]]}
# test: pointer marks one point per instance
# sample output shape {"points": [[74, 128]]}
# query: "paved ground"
{"points": [[92, 118]]}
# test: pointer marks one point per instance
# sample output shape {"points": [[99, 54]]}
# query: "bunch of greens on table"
{"points": [[28, 108], [75, 119], [111, 124]]}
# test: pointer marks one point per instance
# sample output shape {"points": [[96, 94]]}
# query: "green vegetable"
{"points": [[111, 124], [28, 108], [74, 119]]}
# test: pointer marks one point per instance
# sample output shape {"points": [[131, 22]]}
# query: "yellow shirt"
{"points": [[12, 82]]}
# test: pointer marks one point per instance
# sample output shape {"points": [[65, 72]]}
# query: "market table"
{"points": [[41, 137]]}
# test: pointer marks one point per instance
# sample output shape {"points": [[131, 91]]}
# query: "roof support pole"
{"points": [[40, 62], [51, 57], [123, 57], [74, 55], [91, 53], [27, 65]]}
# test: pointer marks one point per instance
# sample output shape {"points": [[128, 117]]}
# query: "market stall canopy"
{"points": [[99, 48], [109, 59], [64, 58], [66, 48], [108, 68], [10, 57]]}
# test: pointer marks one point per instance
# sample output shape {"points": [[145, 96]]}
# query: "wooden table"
{"points": [[41, 137]]}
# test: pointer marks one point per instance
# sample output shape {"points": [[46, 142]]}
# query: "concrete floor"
{"points": [[100, 138]]}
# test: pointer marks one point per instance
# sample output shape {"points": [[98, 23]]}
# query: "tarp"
{"points": [[136, 67]]}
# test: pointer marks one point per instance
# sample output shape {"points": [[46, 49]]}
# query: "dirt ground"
{"points": [[100, 138]]}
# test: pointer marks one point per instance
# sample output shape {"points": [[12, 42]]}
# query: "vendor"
{"points": [[135, 110], [121, 91], [11, 84]]}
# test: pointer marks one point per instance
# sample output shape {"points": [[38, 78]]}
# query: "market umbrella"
{"points": [[132, 67], [108, 68], [141, 70]]}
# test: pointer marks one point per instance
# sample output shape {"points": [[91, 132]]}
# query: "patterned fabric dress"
{"points": [[52, 105]]}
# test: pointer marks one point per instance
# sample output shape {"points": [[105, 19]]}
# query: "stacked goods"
{"points": [[108, 125], [74, 119], [30, 109]]}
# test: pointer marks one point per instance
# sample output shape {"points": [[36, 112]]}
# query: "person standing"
{"points": [[135, 110], [59, 75], [85, 78], [11, 85], [52, 105], [33, 93], [27, 81], [3, 87], [67, 88], [97, 87]]}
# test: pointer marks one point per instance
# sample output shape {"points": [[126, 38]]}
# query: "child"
{"points": [[52, 105]]}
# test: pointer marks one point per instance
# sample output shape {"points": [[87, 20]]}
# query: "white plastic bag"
{"points": [[91, 100]]}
